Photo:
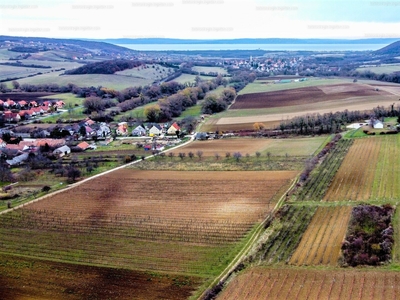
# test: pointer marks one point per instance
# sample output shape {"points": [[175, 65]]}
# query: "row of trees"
{"points": [[332, 122]]}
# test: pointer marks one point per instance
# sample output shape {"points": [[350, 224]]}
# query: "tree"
{"points": [[269, 155], [82, 131], [191, 155], [199, 154], [237, 156], [152, 113], [15, 84], [181, 155], [212, 105], [171, 155], [217, 156], [227, 154], [258, 126], [258, 154], [73, 173]]}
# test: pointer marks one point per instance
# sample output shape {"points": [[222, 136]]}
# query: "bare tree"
{"points": [[191, 154], [181, 155], [237, 156], [171, 155], [269, 155], [199, 154], [258, 154], [217, 156], [227, 154]]}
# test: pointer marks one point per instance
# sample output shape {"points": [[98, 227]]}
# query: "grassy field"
{"points": [[260, 86], [189, 78], [117, 82], [147, 72], [385, 68], [218, 70]]}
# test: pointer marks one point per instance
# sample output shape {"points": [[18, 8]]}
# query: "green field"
{"points": [[218, 70], [261, 86], [188, 78], [384, 68], [118, 82], [294, 147], [149, 72]]}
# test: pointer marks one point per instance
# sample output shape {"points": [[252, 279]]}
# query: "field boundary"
{"points": [[247, 247]]}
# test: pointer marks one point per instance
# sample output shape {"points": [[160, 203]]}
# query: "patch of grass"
{"points": [[260, 86], [386, 68]]}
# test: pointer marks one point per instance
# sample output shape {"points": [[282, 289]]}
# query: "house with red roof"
{"points": [[83, 145], [173, 128], [11, 117]]}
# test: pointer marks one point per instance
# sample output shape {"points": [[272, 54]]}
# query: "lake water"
{"points": [[267, 47]]}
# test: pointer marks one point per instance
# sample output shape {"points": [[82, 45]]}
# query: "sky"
{"points": [[201, 19]]}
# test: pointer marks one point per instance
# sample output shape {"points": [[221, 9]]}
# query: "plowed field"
{"points": [[186, 222], [305, 95], [261, 283], [320, 244]]}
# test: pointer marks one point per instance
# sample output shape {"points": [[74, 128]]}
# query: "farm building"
{"points": [[374, 123], [64, 150], [18, 160]]}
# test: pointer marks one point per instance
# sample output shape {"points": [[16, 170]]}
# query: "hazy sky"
{"points": [[201, 19]]}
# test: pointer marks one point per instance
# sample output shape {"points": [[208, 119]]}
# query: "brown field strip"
{"points": [[25, 278], [305, 95], [185, 222], [211, 147], [320, 244], [261, 283]]}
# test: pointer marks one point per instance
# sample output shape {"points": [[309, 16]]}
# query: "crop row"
{"points": [[313, 284], [323, 238], [322, 176], [354, 178], [285, 233], [114, 251], [197, 231]]}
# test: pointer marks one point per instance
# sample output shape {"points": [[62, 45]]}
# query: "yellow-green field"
{"points": [[218, 70], [384, 68]]}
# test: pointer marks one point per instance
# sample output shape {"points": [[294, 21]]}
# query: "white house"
{"points": [[64, 150], [173, 129], [139, 131], [155, 130], [375, 123]]}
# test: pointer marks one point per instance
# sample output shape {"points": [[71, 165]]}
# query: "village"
{"points": [[18, 141]]}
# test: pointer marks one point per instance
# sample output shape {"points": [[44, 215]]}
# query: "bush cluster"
{"points": [[370, 236]]}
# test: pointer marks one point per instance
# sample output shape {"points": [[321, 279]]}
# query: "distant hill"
{"points": [[248, 41], [87, 45], [392, 49]]}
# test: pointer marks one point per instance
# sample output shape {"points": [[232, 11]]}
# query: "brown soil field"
{"points": [[289, 112], [180, 222], [262, 283], [305, 95], [26, 278], [212, 126], [221, 146], [35, 96], [321, 243]]}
